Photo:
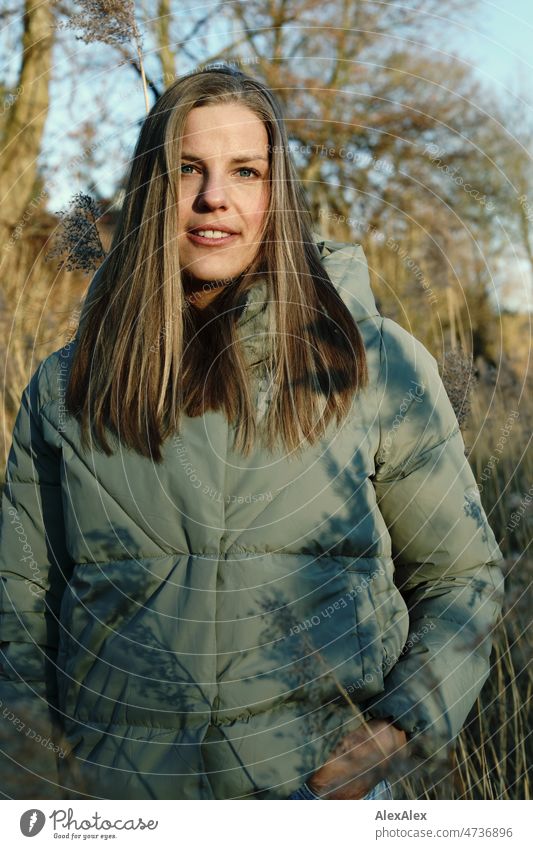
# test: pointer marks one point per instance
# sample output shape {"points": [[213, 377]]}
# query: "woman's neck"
{"points": [[200, 293]]}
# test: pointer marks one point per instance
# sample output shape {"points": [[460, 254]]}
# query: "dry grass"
{"points": [[494, 750], [495, 747]]}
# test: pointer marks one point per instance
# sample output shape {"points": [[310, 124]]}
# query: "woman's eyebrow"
{"points": [[245, 157]]}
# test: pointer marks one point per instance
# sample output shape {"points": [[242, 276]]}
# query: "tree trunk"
{"points": [[23, 130]]}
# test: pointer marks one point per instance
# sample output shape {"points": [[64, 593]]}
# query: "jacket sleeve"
{"points": [[447, 561], [34, 567]]}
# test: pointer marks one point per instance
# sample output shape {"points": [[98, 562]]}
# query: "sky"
{"points": [[500, 47], [501, 52]]}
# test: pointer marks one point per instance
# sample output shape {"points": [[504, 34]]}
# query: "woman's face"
{"points": [[224, 185]]}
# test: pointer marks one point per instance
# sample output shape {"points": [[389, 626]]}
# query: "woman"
{"points": [[255, 559]]}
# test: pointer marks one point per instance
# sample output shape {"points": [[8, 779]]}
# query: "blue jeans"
{"points": [[381, 790]]}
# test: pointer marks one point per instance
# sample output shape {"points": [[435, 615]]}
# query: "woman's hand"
{"points": [[350, 772]]}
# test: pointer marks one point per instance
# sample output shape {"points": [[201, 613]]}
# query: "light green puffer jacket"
{"points": [[212, 626]]}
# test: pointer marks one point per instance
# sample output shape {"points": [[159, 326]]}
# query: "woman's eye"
{"points": [[251, 171]]}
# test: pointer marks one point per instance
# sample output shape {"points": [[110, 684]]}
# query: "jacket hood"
{"points": [[347, 267]]}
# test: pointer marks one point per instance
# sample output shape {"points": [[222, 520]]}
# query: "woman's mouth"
{"points": [[211, 236]]}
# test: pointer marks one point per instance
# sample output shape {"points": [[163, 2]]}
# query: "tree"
{"points": [[22, 130]]}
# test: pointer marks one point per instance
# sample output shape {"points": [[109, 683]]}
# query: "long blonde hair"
{"points": [[129, 376]]}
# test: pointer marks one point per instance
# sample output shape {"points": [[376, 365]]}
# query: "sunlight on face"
{"points": [[224, 183]]}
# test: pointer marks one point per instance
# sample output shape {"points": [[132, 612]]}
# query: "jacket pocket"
{"points": [[65, 644], [332, 650]]}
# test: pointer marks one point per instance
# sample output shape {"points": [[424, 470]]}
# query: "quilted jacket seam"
{"points": [[98, 480]]}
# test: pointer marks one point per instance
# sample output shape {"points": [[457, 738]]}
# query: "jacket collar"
{"points": [[346, 265]]}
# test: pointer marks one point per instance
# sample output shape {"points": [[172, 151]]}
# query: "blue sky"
{"points": [[501, 52], [501, 46]]}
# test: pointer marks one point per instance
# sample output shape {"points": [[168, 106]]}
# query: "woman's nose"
{"points": [[214, 191]]}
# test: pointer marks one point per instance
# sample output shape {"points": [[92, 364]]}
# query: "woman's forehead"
{"points": [[230, 124]]}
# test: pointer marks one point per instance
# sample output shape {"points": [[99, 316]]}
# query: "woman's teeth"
{"points": [[212, 234]]}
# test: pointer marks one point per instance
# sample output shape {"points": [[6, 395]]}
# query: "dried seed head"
{"points": [[459, 380], [107, 21], [78, 237]]}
